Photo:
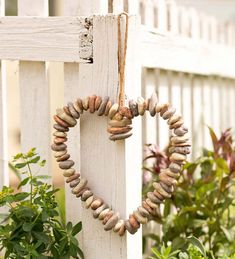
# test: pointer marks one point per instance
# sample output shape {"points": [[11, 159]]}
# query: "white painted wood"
{"points": [[4, 176], [186, 55], [34, 97], [45, 39], [163, 96], [110, 178], [149, 13], [216, 104], [117, 6], [173, 17], [175, 94], [184, 21], [162, 15]]}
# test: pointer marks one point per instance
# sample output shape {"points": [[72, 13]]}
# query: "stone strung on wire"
{"points": [[119, 126]]}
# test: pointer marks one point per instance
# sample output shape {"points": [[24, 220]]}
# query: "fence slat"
{"points": [[34, 96]]}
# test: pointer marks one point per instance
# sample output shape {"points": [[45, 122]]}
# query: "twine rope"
{"points": [[122, 58]]}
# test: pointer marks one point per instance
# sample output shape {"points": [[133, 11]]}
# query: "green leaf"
{"points": [[42, 163], [20, 165], [34, 160], [24, 182], [196, 242], [69, 227], [43, 176], [80, 253], [156, 252], [27, 226], [42, 237], [77, 228], [227, 234]]}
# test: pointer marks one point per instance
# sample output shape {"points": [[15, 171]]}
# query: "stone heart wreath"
{"points": [[119, 128]]}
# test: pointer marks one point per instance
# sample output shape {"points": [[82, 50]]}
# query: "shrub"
{"points": [[31, 228]]}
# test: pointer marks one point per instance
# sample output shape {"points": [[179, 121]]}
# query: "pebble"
{"points": [[86, 195], [120, 136], [111, 222], [134, 222], [59, 147], [181, 131], [181, 150], [113, 110], [107, 108], [177, 139], [167, 180], [164, 109], [140, 218], [66, 110], [72, 177], [174, 119], [184, 144], [102, 107], [159, 189], [141, 105], [59, 140], [118, 225], [97, 212], [66, 164], [151, 204], [89, 201], [73, 111], [78, 106], [146, 103], [177, 124], [92, 103], [159, 107], [119, 130], [79, 194], [148, 208], [65, 117], [175, 168], [85, 103], [124, 122], [96, 203], [143, 211], [63, 158], [60, 134], [74, 183], [152, 104], [153, 198], [129, 227], [60, 128], [122, 230], [68, 172], [60, 121], [80, 186], [126, 112], [166, 115], [103, 214], [177, 157], [167, 188], [169, 173], [133, 107], [98, 102], [118, 117], [107, 217], [158, 195], [60, 153]]}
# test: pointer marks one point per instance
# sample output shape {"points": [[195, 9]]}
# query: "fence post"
{"points": [[111, 169], [34, 95], [4, 177]]}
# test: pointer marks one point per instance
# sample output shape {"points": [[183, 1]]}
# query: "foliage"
{"points": [[203, 204], [31, 228]]}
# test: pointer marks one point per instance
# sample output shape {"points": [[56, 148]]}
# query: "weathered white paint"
{"points": [[186, 55], [34, 98], [45, 39]]}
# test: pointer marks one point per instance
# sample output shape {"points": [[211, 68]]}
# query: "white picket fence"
{"points": [[184, 55]]}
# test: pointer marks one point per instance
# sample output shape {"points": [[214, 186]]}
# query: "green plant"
{"points": [[203, 204], [31, 228]]}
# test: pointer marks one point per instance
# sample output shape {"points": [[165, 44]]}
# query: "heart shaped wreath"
{"points": [[120, 128]]}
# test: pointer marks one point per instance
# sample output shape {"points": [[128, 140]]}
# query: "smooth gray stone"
{"points": [[73, 111], [66, 164], [120, 136], [59, 147], [133, 107], [102, 107], [60, 128]]}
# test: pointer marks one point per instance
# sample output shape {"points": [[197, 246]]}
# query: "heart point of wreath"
{"points": [[120, 128]]}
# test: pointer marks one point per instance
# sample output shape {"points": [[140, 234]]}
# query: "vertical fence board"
{"points": [[215, 110], [4, 177], [34, 95]]}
